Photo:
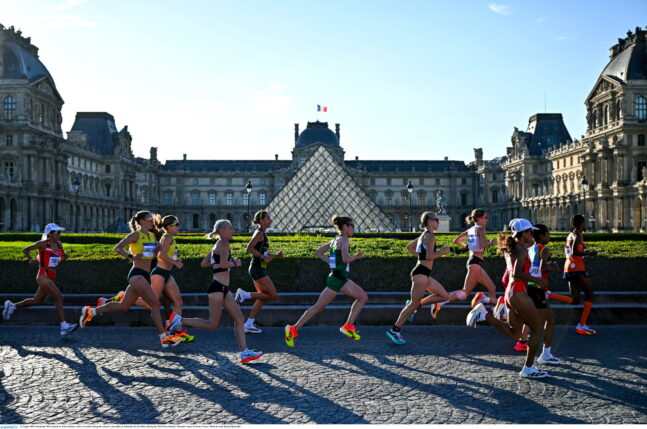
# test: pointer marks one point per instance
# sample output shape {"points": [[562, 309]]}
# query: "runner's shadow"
{"points": [[141, 411], [7, 415]]}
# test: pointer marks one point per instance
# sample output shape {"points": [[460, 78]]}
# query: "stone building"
{"points": [[91, 181]]}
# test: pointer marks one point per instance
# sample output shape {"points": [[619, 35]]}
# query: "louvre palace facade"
{"points": [[91, 181]]}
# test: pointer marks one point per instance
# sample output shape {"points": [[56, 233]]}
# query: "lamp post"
{"points": [[410, 191], [76, 186], [248, 188]]}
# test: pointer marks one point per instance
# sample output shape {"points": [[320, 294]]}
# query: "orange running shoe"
{"points": [[170, 341], [477, 298], [86, 316], [350, 331], [290, 334], [101, 301]]}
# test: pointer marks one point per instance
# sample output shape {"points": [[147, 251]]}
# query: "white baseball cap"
{"points": [[51, 227], [520, 225]]}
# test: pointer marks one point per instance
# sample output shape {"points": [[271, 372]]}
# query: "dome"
{"points": [[19, 63], [317, 133], [629, 57]]}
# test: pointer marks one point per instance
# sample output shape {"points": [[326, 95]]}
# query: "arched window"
{"points": [[9, 107], [641, 108]]}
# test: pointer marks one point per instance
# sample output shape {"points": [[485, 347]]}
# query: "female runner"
{"points": [[143, 245], [219, 258], [265, 290], [575, 272], [477, 242], [50, 254], [521, 308], [338, 260], [421, 280]]}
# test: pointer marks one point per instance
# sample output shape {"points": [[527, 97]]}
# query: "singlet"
{"points": [[171, 252], [574, 262], [473, 242], [261, 247], [50, 258], [533, 262], [510, 269], [421, 249], [335, 261], [215, 259], [145, 245]]}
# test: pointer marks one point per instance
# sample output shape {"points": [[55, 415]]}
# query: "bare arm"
{"points": [[126, 241], [206, 261], [321, 252], [27, 250], [411, 247], [460, 240], [163, 249], [430, 242], [484, 243], [519, 274], [345, 256], [253, 242]]}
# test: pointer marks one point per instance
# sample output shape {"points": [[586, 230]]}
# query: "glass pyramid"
{"points": [[320, 189]]}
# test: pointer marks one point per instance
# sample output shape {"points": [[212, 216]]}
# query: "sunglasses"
{"points": [[174, 224], [56, 232], [352, 225]]}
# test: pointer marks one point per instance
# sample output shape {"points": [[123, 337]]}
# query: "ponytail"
{"points": [[339, 221], [476, 214]]}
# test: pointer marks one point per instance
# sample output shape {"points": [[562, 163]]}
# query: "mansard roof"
{"points": [[101, 131], [545, 130], [391, 165], [219, 165], [628, 57]]}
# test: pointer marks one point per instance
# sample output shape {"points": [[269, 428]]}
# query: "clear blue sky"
{"points": [[406, 80]]}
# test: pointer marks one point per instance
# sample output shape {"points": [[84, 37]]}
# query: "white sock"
{"points": [[247, 295], [546, 351], [250, 321], [440, 304], [485, 300]]}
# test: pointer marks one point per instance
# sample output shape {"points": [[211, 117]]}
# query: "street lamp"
{"points": [[248, 188], [76, 186], [410, 191]]}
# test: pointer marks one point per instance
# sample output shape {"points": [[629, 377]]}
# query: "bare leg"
{"points": [[237, 316], [215, 311], [438, 292], [326, 297], [418, 287], [524, 308], [486, 281], [353, 290], [172, 290], [265, 292]]}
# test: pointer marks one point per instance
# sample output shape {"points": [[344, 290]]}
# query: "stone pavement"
{"points": [[444, 374]]}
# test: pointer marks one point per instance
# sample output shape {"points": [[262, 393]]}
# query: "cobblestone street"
{"points": [[442, 375]]}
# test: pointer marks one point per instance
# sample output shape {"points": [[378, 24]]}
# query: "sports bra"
{"points": [[215, 259], [145, 245], [261, 247], [421, 249]]}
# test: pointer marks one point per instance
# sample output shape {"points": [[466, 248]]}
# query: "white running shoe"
{"points": [[9, 308], [532, 372], [476, 315], [251, 329], [549, 359], [240, 296], [67, 329], [249, 355]]}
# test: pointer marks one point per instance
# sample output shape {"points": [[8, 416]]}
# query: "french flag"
{"points": [[321, 108]]}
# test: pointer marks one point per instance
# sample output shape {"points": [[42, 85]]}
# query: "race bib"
{"points": [[53, 261], [332, 261], [149, 250], [535, 271], [174, 257]]}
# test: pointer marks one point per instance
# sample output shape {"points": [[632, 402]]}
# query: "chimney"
{"points": [[356, 158], [478, 154], [296, 133], [276, 155], [184, 156], [337, 131], [446, 158]]}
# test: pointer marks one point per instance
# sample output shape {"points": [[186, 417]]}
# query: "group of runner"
{"points": [[521, 314]]}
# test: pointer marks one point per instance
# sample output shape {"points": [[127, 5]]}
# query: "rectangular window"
{"points": [[108, 190], [463, 181], [144, 196], [641, 140], [228, 180], [263, 180], [421, 201], [261, 198], [404, 182], [9, 140], [168, 198], [229, 199], [437, 181], [9, 170], [195, 198], [463, 199], [495, 196], [212, 199], [196, 181], [388, 181], [494, 176], [245, 198], [421, 181], [389, 201]]}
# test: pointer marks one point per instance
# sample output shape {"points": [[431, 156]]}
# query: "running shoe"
{"points": [[477, 298], [185, 337], [252, 329], [67, 329], [396, 337], [584, 330], [86, 316], [435, 309], [532, 372], [170, 341], [548, 359], [101, 301], [249, 355], [240, 296], [521, 346], [476, 315], [500, 309], [9, 308], [350, 332], [290, 334], [547, 294], [174, 322], [119, 297], [411, 316]]}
